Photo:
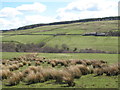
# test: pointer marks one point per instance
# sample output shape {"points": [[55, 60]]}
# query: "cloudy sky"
{"points": [[17, 13]]}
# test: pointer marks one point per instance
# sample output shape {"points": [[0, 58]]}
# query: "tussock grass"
{"points": [[26, 72], [31, 78], [20, 64], [37, 63], [68, 78], [15, 79], [83, 69], [75, 71], [62, 71], [5, 74], [98, 71], [29, 63]]}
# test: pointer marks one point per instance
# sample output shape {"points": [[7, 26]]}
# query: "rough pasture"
{"points": [[31, 69]]}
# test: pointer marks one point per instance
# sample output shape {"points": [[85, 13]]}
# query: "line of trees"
{"points": [[42, 48]]}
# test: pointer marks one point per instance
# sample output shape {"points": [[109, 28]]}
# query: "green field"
{"points": [[111, 58], [82, 27], [73, 41], [81, 42]]}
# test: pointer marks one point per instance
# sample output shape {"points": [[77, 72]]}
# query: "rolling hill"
{"points": [[70, 34]]}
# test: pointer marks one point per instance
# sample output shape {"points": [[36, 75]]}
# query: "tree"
{"points": [[65, 47]]}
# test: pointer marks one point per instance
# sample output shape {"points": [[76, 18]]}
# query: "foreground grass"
{"points": [[86, 81]]}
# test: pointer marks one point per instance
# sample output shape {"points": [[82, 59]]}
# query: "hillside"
{"points": [[69, 34]]}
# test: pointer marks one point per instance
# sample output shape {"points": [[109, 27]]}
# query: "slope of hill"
{"points": [[69, 34]]}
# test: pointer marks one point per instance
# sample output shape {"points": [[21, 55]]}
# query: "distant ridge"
{"points": [[66, 22]]}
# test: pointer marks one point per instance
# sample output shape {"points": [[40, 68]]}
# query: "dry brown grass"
{"points": [[20, 64], [53, 64], [31, 78], [67, 77], [5, 62], [88, 62], [5, 74], [15, 67], [15, 79], [111, 71], [83, 69], [75, 71], [33, 68], [98, 71], [96, 65], [29, 63], [26, 72], [24, 62], [47, 74], [37, 63], [40, 77], [57, 75]]}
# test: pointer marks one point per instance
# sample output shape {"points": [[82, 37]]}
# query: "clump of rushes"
{"points": [[90, 69], [14, 79], [53, 64], [24, 62], [31, 78], [5, 74], [39, 77], [15, 67], [26, 72], [20, 64], [20, 75], [111, 71], [83, 62], [4, 62], [103, 61], [61, 62], [46, 74], [83, 69], [57, 75], [67, 77], [88, 62], [2, 67], [65, 63], [37, 63], [53, 73], [75, 71], [33, 68], [10, 68], [29, 63], [98, 71], [96, 65]]}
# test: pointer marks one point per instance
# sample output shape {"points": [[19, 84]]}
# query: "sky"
{"points": [[18, 13]]}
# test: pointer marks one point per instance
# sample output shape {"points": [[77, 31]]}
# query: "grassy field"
{"points": [[72, 41], [111, 58], [82, 27], [79, 42], [86, 81]]}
